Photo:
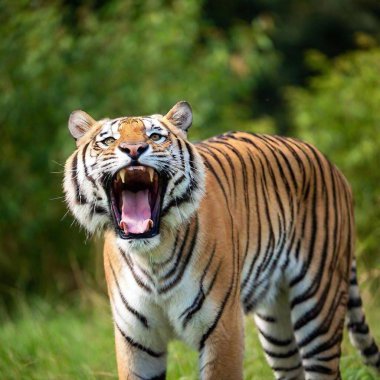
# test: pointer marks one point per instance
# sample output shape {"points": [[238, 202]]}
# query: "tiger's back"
{"points": [[196, 235]]}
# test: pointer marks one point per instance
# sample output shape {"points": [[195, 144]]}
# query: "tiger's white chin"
{"points": [[139, 246]]}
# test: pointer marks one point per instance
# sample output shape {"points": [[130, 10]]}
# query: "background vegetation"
{"points": [[307, 69]]}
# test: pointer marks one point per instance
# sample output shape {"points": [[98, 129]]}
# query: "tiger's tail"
{"points": [[359, 333]]}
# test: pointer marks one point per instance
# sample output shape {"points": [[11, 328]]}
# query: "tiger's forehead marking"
{"points": [[132, 129]]}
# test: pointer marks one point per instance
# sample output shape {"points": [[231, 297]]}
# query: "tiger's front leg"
{"points": [[136, 362], [141, 331], [222, 346]]}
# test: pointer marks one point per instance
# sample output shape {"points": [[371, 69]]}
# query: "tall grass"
{"points": [[44, 340]]}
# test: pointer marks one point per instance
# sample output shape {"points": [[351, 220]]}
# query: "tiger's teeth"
{"points": [[151, 175], [122, 175], [150, 224]]}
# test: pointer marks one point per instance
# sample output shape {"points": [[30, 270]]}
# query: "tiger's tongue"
{"points": [[135, 212]]}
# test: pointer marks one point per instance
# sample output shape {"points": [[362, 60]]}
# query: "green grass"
{"points": [[40, 341]]}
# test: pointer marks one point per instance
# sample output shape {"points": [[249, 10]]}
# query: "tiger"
{"points": [[198, 235]]}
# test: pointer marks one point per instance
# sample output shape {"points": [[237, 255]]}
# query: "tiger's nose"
{"points": [[133, 150]]}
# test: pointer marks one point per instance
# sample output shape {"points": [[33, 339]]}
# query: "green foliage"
{"points": [[332, 27], [76, 342], [340, 113], [128, 58]]}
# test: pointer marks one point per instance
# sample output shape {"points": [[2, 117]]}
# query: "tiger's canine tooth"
{"points": [[150, 224], [122, 175], [151, 174]]}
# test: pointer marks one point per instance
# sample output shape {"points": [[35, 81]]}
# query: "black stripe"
{"points": [[218, 316], [253, 302], [134, 274], [174, 282], [287, 369], [271, 244], [177, 201], [245, 191], [230, 163], [178, 181], [85, 166], [275, 341], [80, 198], [358, 327], [162, 376], [371, 350], [173, 269], [159, 377], [329, 357], [201, 291], [146, 273], [99, 210], [319, 369], [169, 259], [354, 302], [266, 318], [282, 176], [138, 345], [198, 303], [138, 315], [314, 228], [193, 170], [211, 168], [325, 325], [181, 155], [216, 158], [323, 346], [258, 225], [282, 355], [191, 155]]}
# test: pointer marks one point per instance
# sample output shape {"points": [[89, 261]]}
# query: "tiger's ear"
{"points": [[79, 123], [181, 116]]}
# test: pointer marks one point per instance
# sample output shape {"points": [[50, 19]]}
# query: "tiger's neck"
{"points": [[174, 250]]}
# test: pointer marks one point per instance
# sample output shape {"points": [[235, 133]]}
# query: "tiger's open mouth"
{"points": [[136, 194]]}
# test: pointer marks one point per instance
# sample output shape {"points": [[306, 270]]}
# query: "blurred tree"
{"points": [[295, 27], [340, 113], [127, 57]]}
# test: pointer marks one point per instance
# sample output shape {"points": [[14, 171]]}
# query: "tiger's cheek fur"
{"points": [[84, 193]]}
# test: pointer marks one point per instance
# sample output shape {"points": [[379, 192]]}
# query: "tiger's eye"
{"points": [[156, 137], [108, 141]]}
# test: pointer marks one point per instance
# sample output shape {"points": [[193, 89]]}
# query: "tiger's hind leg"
{"points": [[317, 314], [277, 339]]}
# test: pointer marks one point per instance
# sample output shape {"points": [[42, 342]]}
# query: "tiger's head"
{"points": [[137, 175]]}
